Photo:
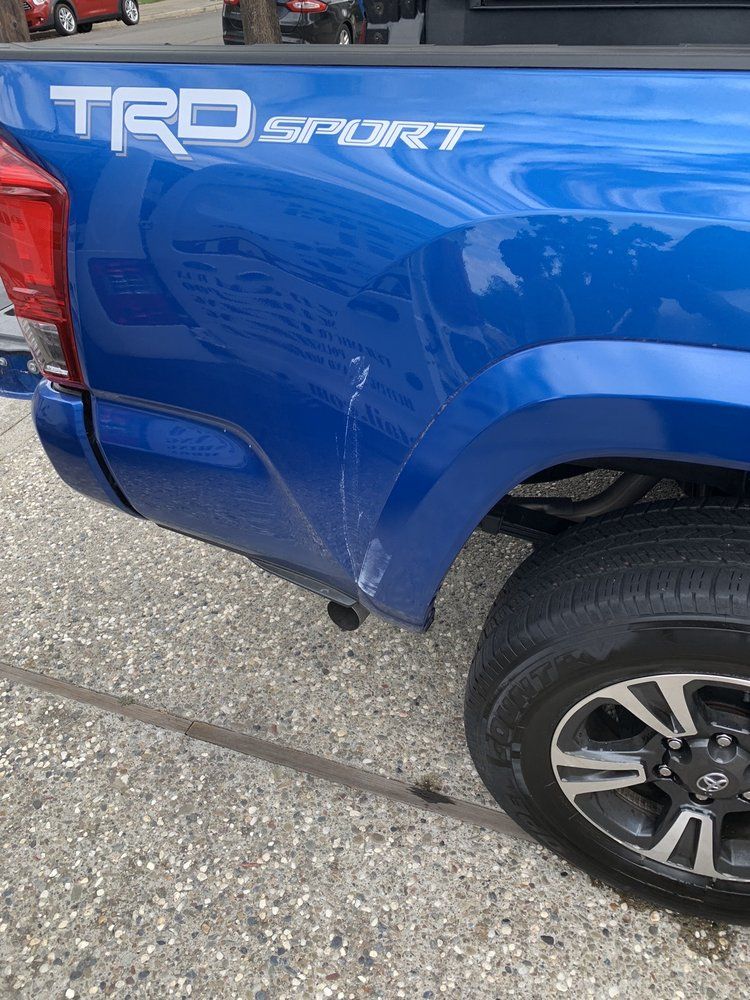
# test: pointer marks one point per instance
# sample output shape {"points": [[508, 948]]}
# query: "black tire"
{"points": [[658, 590], [130, 12], [344, 36], [84, 29], [65, 20]]}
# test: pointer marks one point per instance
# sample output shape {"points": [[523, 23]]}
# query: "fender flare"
{"points": [[550, 404]]}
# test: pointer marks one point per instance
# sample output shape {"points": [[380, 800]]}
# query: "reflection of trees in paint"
{"points": [[273, 280], [485, 292], [588, 278]]}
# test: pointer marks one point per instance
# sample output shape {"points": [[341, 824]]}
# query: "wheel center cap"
{"points": [[712, 783]]}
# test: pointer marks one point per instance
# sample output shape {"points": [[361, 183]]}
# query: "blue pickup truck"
{"points": [[331, 307]]}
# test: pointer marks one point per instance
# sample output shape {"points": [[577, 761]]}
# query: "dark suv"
{"points": [[331, 22]]}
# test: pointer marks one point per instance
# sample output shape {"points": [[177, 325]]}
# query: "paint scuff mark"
{"points": [[349, 480], [373, 569]]}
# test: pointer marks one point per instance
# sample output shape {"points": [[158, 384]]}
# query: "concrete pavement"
{"points": [[141, 862]]}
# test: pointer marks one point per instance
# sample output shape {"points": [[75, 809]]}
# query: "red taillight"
{"points": [[33, 234], [232, 3], [306, 6]]}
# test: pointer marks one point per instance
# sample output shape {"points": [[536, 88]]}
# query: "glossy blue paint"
{"points": [[196, 462], [341, 357], [61, 424]]}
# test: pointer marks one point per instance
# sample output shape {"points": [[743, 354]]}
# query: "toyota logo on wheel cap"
{"points": [[712, 783]]}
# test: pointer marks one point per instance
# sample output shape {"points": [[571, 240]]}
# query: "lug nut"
{"points": [[664, 771], [724, 741], [674, 744], [701, 798], [746, 796]]}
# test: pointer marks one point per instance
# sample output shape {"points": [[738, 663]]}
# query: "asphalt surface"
{"points": [[141, 862], [195, 29]]}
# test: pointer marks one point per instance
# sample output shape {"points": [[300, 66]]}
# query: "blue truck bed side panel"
{"points": [[301, 319]]}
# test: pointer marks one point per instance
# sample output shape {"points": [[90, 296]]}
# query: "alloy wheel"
{"points": [[661, 765], [67, 20]]}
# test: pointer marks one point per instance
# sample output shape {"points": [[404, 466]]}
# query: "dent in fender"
{"points": [[550, 404]]}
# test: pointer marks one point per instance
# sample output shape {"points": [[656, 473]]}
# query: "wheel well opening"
{"points": [[554, 498]]}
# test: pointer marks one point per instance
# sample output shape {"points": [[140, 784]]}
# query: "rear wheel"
{"points": [[65, 20], [345, 37], [608, 705], [130, 12], [84, 29]]}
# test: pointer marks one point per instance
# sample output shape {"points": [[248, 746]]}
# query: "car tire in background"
{"points": [[345, 36], [130, 12], [84, 29], [608, 704], [65, 20]]}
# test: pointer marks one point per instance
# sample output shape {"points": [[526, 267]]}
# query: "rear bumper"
{"points": [[16, 381], [39, 18], [62, 424]]}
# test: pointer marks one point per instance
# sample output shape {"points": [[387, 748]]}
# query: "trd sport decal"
{"points": [[173, 118]]}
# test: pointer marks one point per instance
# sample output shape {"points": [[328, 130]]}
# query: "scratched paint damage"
{"points": [[349, 481], [376, 559]]}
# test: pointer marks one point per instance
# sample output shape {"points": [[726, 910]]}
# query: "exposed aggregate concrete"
{"points": [[139, 863]]}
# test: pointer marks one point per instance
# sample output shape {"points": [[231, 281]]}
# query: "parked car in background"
{"points": [[69, 16], [330, 22]]}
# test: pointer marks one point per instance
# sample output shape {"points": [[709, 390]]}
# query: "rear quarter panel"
{"points": [[269, 330]]}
